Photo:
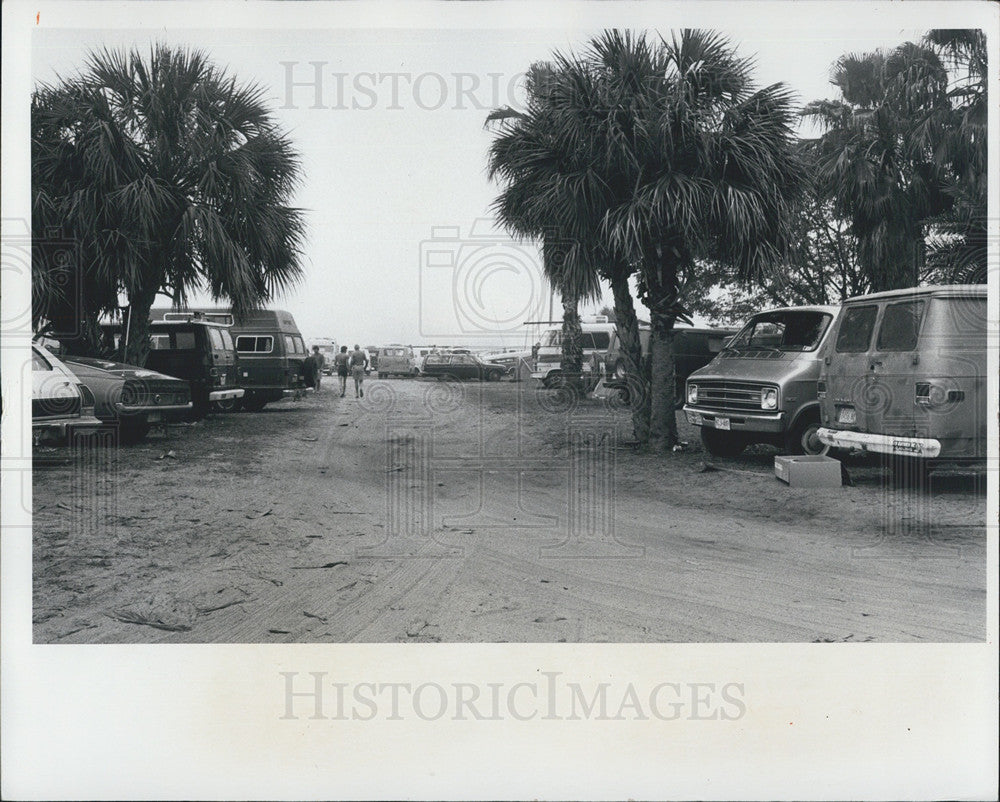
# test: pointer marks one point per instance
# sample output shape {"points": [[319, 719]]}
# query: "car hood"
{"points": [[82, 365]]}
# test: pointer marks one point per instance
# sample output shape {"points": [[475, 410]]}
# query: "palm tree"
{"points": [[171, 177], [876, 157], [714, 175], [528, 156], [556, 175]]}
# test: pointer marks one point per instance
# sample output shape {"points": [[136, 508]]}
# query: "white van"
{"points": [[596, 339]]}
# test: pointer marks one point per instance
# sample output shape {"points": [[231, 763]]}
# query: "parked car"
{"points": [[199, 351], [694, 347], [761, 388], [904, 376], [456, 367], [132, 398], [511, 362], [270, 351], [60, 403], [396, 360]]}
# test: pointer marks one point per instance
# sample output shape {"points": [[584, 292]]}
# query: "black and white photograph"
{"points": [[420, 392]]}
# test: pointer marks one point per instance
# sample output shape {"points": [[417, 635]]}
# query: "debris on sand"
{"points": [[309, 567], [253, 515], [706, 467]]}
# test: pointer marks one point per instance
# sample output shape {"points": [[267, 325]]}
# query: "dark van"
{"points": [[694, 348], [904, 376], [270, 348], [201, 353]]}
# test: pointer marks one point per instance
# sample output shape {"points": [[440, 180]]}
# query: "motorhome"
{"points": [[595, 338]]}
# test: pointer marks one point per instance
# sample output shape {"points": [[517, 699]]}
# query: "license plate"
{"points": [[847, 415], [722, 423], [222, 379]]}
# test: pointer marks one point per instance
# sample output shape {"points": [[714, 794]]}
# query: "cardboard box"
{"points": [[808, 471]]}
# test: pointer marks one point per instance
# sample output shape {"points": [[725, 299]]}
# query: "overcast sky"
{"points": [[399, 246]]}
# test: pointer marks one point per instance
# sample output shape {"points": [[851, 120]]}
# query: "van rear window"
{"points": [[856, 329], [900, 326]]}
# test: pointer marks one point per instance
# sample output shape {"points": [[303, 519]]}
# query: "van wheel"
{"points": [[722, 444], [229, 405], [254, 404], [802, 439], [494, 376]]}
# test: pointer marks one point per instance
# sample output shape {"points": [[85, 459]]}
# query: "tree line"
{"points": [[657, 160]]}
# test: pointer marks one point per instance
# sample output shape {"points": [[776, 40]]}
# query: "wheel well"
{"points": [[808, 412]]}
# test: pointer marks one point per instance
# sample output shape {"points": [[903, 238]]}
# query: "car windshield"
{"points": [[782, 331]]}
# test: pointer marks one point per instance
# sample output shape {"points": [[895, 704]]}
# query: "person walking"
{"points": [[358, 363], [318, 361], [341, 362]]}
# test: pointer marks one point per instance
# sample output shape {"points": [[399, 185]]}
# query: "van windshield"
{"points": [[782, 331]]}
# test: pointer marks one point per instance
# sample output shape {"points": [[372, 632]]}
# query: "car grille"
{"points": [[729, 396]]}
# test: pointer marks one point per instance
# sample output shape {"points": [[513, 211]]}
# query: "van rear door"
{"points": [[851, 383], [891, 363]]}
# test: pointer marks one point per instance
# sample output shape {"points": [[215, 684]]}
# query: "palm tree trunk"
{"points": [[631, 352], [662, 418], [135, 349], [571, 364]]}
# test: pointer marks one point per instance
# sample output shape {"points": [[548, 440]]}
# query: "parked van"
{"points": [[198, 351], [270, 348], [761, 388], [396, 360], [904, 375], [694, 347], [596, 338]]}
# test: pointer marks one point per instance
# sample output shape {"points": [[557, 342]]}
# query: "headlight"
{"points": [[692, 393], [769, 398]]}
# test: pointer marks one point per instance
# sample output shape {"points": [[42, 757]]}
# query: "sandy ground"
{"points": [[496, 512]]}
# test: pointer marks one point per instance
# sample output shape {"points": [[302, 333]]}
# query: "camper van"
{"points": [[270, 348], [761, 388], [904, 376], [396, 360], [596, 338]]}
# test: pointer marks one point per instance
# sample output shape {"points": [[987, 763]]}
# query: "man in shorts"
{"points": [[358, 363], [341, 361], [318, 361]]}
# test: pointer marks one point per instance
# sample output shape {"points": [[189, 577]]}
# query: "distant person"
{"points": [[309, 371], [341, 361], [359, 364], [319, 361]]}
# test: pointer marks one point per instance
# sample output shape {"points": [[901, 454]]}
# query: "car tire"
{"points": [[801, 438], [494, 376], [722, 444]]}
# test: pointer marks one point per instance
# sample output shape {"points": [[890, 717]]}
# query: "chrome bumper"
{"points": [[739, 421], [923, 447], [223, 395]]}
